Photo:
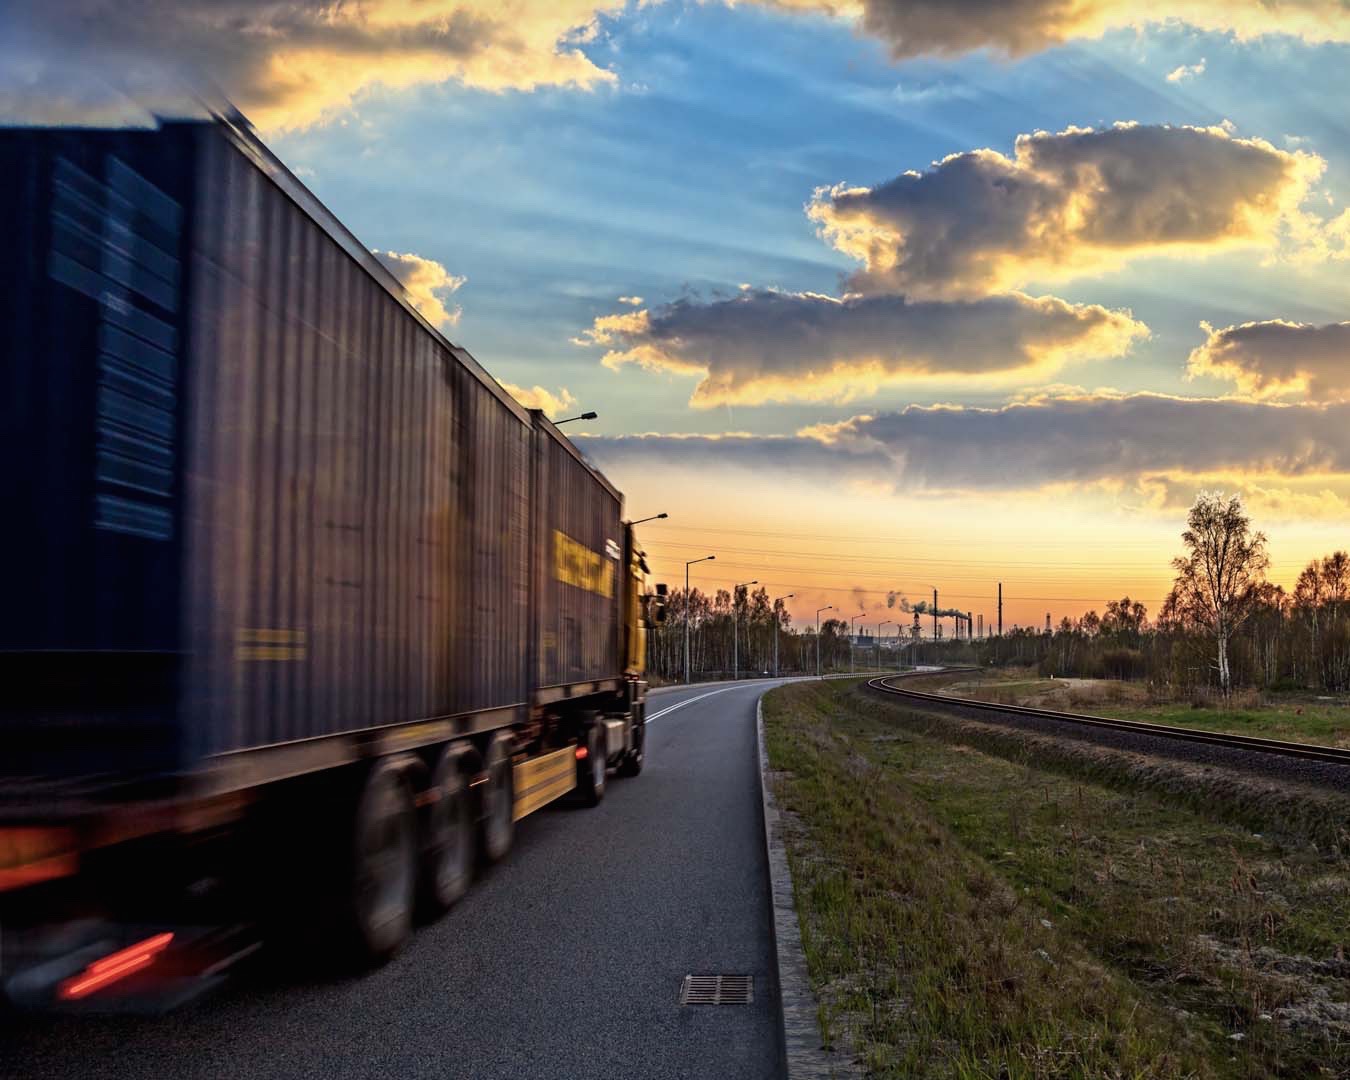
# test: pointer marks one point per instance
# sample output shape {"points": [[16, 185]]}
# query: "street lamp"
{"points": [[852, 666], [827, 607], [583, 416], [888, 622], [735, 639], [687, 565], [654, 517], [777, 601]]}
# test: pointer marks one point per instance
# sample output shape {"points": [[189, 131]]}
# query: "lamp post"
{"points": [[777, 601], [888, 622], [735, 636], [583, 416], [827, 607], [852, 666], [687, 565], [654, 517]]}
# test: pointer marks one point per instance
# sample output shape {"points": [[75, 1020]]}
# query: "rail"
{"points": [[1306, 751]]}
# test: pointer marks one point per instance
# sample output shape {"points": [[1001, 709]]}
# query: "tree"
{"points": [[1219, 578]]}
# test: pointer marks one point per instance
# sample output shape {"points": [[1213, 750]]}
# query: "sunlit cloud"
{"points": [[428, 285], [1185, 72], [1016, 28], [1077, 201], [286, 63], [1078, 440], [764, 345], [1276, 358], [537, 397]]}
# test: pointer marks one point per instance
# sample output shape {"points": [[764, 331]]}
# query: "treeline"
{"points": [[1286, 641], [723, 639], [1223, 625]]}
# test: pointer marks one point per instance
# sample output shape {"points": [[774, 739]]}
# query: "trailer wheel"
{"points": [[632, 762], [497, 805], [382, 878], [448, 838], [591, 768]]}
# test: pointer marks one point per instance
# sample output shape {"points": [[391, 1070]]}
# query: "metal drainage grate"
{"points": [[717, 990]]}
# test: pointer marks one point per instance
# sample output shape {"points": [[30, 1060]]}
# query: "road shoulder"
{"points": [[806, 1057]]}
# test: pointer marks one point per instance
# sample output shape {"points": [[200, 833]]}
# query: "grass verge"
{"points": [[971, 916], [1309, 718]]}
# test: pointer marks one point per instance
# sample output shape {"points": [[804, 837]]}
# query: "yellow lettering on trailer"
{"points": [[576, 564]]}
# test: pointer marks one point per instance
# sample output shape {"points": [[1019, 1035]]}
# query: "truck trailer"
{"points": [[303, 611]]}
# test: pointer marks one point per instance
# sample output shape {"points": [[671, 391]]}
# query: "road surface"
{"points": [[565, 960]]}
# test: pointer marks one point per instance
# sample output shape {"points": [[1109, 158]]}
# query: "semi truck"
{"points": [[303, 612]]}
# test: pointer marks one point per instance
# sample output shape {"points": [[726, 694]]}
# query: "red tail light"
{"points": [[113, 967], [582, 753]]}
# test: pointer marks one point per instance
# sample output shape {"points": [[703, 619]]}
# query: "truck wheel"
{"points": [[632, 762], [498, 799], [381, 883], [448, 839], [591, 768]]}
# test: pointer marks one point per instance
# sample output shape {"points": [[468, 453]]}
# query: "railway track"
{"points": [[1310, 752]]}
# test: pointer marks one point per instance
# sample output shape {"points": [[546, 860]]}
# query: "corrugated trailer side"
{"points": [[92, 319], [357, 505], [578, 571]]}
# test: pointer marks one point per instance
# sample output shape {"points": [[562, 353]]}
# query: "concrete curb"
{"points": [[806, 1058]]}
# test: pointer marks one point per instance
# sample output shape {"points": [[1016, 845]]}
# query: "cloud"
{"points": [[764, 345], [1016, 28], [428, 285], [1072, 440], [287, 63], [1273, 358], [632, 301], [536, 397], [1182, 72], [1069, 203]]}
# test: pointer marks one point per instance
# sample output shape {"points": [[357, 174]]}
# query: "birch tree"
{"points": [[1219, 578]]}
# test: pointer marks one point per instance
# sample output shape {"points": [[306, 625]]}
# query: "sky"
{"points": [[870, 296]]}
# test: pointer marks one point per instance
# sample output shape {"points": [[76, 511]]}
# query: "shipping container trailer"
{"points": [[279, 553]]}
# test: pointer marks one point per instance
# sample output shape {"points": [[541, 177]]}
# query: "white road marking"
{"points": [[690, 701]]}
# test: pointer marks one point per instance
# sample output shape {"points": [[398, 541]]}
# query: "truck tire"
{"points": [[633, 760], [448, 833], [591, 768], [497, 819], [382, 869]]}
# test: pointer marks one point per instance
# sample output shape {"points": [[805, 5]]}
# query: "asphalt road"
{"points": [[565, 960]]}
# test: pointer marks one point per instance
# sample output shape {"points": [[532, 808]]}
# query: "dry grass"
{"points": [[967, 915], [1297, 718]]}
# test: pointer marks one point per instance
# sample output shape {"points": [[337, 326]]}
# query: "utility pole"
{"points": [[935, 621], [827, 607], [776, 620], [735, 634], [1000, 609], [852, 664], [687, 565]]}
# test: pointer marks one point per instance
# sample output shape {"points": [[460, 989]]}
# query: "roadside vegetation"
{"points": [[1223, 630], [966, 913], [1295, 717]]}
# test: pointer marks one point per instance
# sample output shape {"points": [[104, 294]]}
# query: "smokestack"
{"points": [[980, 616], [1047, 622], [935, 617], [970, 628], [1000, 609]]}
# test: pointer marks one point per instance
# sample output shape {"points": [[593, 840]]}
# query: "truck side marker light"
{"points": [[113, 967], [582, 753]]}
